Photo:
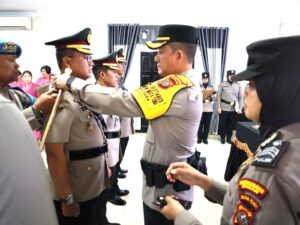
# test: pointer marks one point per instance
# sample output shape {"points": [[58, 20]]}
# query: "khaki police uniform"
{"points": [[77, 127], [170, 137], [112, 134], [208, 104], [127, 128], [230, 98], [266, 190], [25, 197]]}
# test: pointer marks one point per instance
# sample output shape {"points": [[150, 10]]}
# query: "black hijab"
{"points": [[280, 97]]}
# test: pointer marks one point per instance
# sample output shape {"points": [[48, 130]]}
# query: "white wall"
{"points": [[248, 21]]}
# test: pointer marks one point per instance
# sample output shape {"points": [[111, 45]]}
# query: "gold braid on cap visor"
{"points": [[113, 66], [81, 48], [160, 41]]}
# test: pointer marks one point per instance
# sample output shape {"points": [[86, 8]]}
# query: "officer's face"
{"points": [[121, 70], [252, 102], [205, 80], [109, 78], [8, 69], [81, 65], [229, 77], [166, 60]]}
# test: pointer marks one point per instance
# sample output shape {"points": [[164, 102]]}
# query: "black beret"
{"points": [[9, 48]]}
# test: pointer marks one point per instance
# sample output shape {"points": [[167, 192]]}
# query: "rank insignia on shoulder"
{"points": [[270, 155]]}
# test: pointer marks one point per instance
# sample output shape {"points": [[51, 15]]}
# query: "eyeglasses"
{"points": [[88, 57], [84, 56]]}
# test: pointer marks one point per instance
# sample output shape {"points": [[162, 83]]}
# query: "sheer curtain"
{"points": [[123, 36]]}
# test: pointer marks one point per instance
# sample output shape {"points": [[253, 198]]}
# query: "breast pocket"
{"points": [[85, 116], [87, 167]]}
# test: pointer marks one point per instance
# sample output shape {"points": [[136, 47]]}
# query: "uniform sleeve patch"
{"points": [[254, 187], [250, 202], [269, 156], [243, 215]]}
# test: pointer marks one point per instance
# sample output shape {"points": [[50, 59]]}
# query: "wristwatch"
{"points": [[69, 200]]}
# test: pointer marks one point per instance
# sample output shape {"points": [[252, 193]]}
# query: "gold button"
{"points": [[89, 168]]}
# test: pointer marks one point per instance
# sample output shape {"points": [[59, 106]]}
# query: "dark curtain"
{"points": [[213, 38], [123, 36]]}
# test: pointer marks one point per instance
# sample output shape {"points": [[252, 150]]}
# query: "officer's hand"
{"points": [[45, 102], [183, 172], [171, 210], [219, 110], [72, 210], [61, 80]]}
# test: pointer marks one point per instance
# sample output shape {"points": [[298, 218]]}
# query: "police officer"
{"points": [[208, 102], [173, 105], [33, 109], [75, 146], [230, 103], [265, 190], [127, 128], [105, 72], [22, 202]]}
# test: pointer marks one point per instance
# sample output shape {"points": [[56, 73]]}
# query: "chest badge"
{"points": [[90, 126]]}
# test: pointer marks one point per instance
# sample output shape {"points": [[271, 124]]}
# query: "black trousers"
{"points": [[123, 143], [92, 212], [227, 123], [204, 126], [113, 190], [153, 217]]}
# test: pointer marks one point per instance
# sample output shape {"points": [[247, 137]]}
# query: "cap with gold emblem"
{"points": [[9, 48], [109, 61], [173, 33], [120, 56], [230, 72], [79, 41], [205, 75]]}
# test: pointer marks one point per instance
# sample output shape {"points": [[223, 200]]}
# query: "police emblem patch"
{"points": [[243, 216], [10, 47]]}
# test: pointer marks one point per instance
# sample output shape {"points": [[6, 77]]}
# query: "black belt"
{"points": [[111, 135], [156, 176], [229, 103], [87, 153]]}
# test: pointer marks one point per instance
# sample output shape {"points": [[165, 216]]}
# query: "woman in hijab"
{"points": [[266, 188]]}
